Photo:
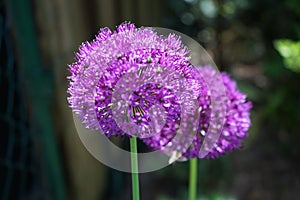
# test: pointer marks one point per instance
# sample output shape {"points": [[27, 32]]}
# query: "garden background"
{"points": [[41, 156]]}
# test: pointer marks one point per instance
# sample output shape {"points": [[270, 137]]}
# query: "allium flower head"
{"points": [[235, 128], [108, 57]]}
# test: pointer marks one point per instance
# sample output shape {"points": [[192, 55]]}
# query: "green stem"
{"points": [[134, 169], [193, 179]]}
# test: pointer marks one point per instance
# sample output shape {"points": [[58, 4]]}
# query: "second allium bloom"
{"points": [[236, 121], [159, 68]]}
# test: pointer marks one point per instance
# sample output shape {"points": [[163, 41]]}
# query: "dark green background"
{"points": [[256, 42]]}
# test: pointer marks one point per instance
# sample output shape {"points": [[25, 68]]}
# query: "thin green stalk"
{"points": [[193, 179], [134, 169]]}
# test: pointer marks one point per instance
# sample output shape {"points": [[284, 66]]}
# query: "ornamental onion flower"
{"points": [[237, 120], [101, 65]]}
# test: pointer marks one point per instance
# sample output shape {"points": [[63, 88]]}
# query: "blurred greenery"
{"points": [[290, 51], [213, 196]]}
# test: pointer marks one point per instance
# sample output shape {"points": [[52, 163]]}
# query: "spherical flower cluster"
{"points": [[109, 56], [235, 128], [159, 68]]}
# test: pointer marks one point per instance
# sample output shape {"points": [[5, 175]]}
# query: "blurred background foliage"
{"points": [[41, 156], [290, 51]]}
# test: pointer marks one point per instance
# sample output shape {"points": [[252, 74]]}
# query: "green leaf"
{"points": [[290, 51]]}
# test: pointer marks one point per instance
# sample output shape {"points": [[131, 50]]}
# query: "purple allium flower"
{"points": [[108, 57], [237, 120], [157, 106]]}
